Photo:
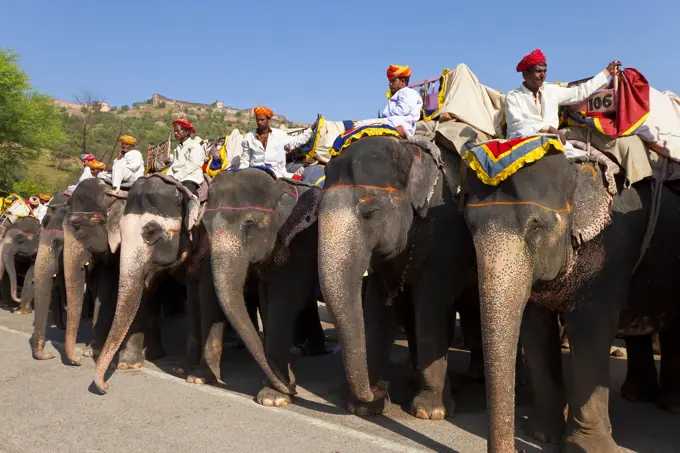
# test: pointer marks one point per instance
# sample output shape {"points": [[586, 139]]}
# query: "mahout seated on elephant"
{"points": [[18, 247], [265, 228], [388, 204], [552, 240]]}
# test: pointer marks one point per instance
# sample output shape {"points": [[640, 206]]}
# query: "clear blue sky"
{"points": [[304, 57]]}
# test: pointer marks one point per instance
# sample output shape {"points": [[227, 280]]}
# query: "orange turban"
{"points": [[45, 197], [128, 140], [398, 71], [96, 165], [261, 110]]}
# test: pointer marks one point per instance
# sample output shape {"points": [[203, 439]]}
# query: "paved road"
{"points": [[46, 406]]}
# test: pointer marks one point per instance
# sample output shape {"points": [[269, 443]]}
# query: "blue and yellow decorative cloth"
{"points": [[497, 160], [348, 137]]}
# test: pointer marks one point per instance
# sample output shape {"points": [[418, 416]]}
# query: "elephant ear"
{"points": [[287, 196], [591, 205], [113, 216], [421, 181], [303, 215]]}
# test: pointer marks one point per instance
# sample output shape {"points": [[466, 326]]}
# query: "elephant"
{"points": [[18, 248], [90, 256], [389, 206], [552, 241], [48, 277], [155, 236], [263, 228]]}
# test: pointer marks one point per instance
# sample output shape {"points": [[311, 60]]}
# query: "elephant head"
{"points": [[526, 231], [245, 212], [154, 237], [373, 192], [19, 242], [48, 267], [91, 228]]}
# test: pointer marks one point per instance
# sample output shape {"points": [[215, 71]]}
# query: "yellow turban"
{"points": [[398, 71], [45, 197], [128, 140], [261, 110], [96, 165]]}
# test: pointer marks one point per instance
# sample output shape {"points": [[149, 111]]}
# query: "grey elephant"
{"points": [[551, 240], [265, 229], [18, 248], [156, 232], [389, 205], [48, 277], [90, 255]]}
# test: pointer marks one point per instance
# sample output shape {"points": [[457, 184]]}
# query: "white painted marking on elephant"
{"points": [[246, 400]]}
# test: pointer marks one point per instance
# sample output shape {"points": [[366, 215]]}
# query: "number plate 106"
{"points": [[601, 102]]}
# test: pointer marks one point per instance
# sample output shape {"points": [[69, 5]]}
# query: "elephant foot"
{"points": [[128, 360], [118, 365], [92, 351], [42, 355], [273, 398], [669, 402], [546, 428], [356, 407], [428, 405], [637, 391], [311, 349], [577, 442], [23, 310], [201, 375]]}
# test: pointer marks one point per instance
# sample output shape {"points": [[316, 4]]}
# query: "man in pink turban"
{"points": [[533, 108]]}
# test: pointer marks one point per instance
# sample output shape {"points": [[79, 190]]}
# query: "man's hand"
{"points": [[559, 133], [613, 68], [120, 155]]}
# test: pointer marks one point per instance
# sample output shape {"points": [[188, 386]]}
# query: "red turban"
{"points": [[398, 71], [531, 60], [261, 110], [186, 124]]}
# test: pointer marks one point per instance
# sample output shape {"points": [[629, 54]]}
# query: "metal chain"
{"points": [[400, 287]]}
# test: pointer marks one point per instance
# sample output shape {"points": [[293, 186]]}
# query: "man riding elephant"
{"points": [[533, 107], [186, 161], [129, 165]]}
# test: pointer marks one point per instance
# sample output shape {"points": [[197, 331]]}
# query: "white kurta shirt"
{"points": [[134, 162], [524, 116], [187, 161], [275, 154], [403, 109]]}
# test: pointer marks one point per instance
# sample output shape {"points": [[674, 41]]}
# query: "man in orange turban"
{"points": [[188, 156], [41, 210], [266, 146], [128, 167], [404, 105], [533, 108]]}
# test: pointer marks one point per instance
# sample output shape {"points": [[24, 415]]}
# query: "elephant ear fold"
{"points": [[288, 195], [113, 216], [421, 181], [303, 215], [591, 210]]}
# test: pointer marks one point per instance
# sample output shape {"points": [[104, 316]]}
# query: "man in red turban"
{"points": [[533, 108], [188, 156]]}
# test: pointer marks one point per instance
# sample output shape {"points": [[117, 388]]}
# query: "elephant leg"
{"points": [[540, 338], [311, 333], [434, 400], [153, 343], [641, 382], [103, 286], [131, 354], [591, 328], [285, 294], [471, 327], [193, 352], [212, 332], [380, 327], [6, 293], [407, 315], [27, 294], [669, 340]]}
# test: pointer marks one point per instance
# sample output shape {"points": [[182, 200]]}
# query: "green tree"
{"points": [[125, 108], [28, 187], [29, 120]]}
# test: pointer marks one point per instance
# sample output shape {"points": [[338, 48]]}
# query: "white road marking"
{"points": [[243, 400]]}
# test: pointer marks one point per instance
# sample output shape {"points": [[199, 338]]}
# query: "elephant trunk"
{"points": [[343, 259], [8, 256], [230, 269], [46, 263], [505, 280], [133, 272], [75, 261]]}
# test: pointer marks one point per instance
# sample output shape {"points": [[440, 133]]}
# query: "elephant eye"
{"points": [[249, 224], [151, 232]]}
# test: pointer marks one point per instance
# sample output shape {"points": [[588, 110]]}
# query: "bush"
{"points": [[162, 105], [125, 108], [28, 188]]}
